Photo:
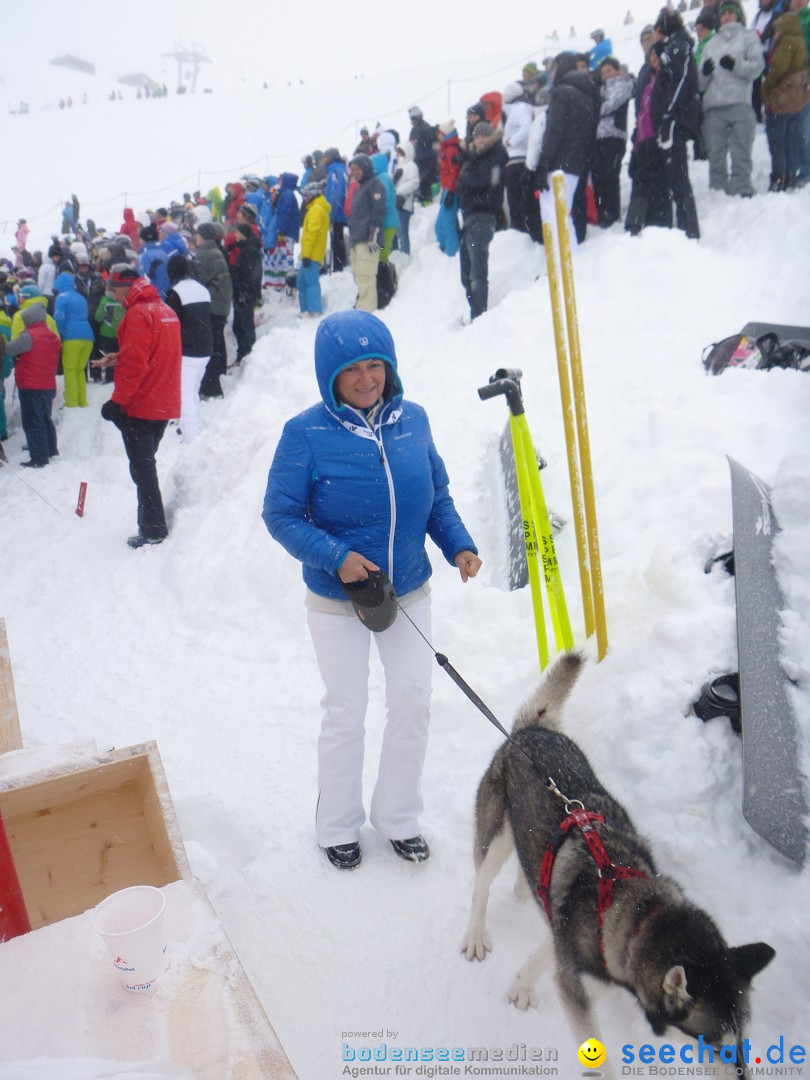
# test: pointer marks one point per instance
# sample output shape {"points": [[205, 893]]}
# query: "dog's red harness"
{"points": [[609, 872]]}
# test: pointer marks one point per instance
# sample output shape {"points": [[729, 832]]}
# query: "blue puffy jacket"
{"points": [[152, 266], [380, 164], [336, 189], [288, 216], [338, 484], [70, 310]]}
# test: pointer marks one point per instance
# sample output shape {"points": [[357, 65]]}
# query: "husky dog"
{"points": [[652, 940]]}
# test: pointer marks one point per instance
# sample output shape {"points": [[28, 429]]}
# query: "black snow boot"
{"points": [[686, 216], [636, 214]]}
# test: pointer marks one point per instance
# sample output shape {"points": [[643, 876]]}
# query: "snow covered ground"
{"points": [[202, 644]]}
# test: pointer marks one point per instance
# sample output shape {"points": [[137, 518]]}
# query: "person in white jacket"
{"points": [[730, 62], [406, 184], [518, 113]]}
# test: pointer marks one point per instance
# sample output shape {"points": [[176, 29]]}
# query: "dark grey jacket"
{"points": [[215, 276], [368, 207]]}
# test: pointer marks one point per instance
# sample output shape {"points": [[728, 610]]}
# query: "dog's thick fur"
{"points": [[658, 945]]}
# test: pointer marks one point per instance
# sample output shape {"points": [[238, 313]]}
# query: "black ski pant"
{"points": [[605, 166], [340, 259], [515, 183], [244, 330], [218, 364], [476, 236], [141, 440]]}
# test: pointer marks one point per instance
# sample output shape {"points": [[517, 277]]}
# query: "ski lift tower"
{"points": [[193, 56]]}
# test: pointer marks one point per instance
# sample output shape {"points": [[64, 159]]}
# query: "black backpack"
{"points": [[386, 284]]}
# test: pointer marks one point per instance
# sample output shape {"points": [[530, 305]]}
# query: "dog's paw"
{"points": [[476, 945], [522, 996]]}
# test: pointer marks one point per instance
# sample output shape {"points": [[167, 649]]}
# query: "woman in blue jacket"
{"points": [[73, 323], [355, 486]]}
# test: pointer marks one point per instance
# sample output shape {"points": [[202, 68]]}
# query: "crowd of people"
{"points": [[209, 258]]}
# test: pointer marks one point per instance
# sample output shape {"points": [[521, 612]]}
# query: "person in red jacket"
{"points": [[146, 394], [36, 351], [131, 228]]}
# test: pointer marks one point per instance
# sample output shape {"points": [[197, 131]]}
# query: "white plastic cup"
{"points": [[131, 925]]}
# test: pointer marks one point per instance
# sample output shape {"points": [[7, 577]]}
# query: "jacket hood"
{"points": [[379, 162], [34, 312], [64, 282], [129, 214], [583, 82], [142, 291], [788, 25], [289, 181], [343, 339], [364, 163]]}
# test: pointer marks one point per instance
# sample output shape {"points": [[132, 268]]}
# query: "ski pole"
{"points": [[574, 478], [564, 238]]}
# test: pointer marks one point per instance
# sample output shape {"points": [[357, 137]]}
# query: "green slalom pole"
{"points": [[530, 538], [563, 635]]}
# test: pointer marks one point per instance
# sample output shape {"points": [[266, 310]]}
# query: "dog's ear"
{"points": [[676, 996], [749, 960]]}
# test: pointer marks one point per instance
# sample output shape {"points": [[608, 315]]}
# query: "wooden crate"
{"points": [[80, 835]]}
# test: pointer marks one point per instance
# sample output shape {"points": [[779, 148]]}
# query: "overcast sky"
{"points": [[278, 42]]}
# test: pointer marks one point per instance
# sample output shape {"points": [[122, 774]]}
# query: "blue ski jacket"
{"points": [[340, 482], [288, 219], [380, 165], [152, 266], [336, 189], [70, 310]]}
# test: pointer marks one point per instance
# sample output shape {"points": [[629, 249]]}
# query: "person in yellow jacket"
{"points": [[317, 223], [30, 294]]}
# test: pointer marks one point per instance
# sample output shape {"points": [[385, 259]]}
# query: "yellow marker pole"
{"points": [[564, 240], [530, 539], [563, 636], [574, 478]]}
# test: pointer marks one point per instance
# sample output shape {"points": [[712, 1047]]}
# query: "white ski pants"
{"points": [[342, 649], [191, 374], [548, 209]]}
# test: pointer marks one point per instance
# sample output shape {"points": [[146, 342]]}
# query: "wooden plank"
{"points": [[10, 737]]}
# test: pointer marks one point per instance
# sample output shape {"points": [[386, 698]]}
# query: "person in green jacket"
{"points": [[108, 315]]}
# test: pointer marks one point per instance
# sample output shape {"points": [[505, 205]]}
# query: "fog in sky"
{"points": [[255, 40]]}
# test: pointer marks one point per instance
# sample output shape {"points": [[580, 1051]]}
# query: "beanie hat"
{"points": [[122, 275], [29, 291], [415, 112], [54, 249], [447, 127], [207, 231], [478, 109], [82, 259], [512, 92], [597, 33], [732, 5], [482, 128], [315, 187], [530, 68], [564, 62], [167, 227], [149, 233], [248, 210]]}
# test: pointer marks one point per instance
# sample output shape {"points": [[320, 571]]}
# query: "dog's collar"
{"points": [[609, 872]]}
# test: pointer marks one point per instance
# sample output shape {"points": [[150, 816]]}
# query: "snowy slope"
{"points": [[202, 643]]}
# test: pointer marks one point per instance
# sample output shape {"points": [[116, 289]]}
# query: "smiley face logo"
{"points": [[592, 1054]]}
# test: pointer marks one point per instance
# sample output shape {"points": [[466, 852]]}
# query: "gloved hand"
{"points": [[449, 200], [542, 180], [373, 247], [666, 132], [708, 67], [112, 411], [727, 62], [306, 262]]}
